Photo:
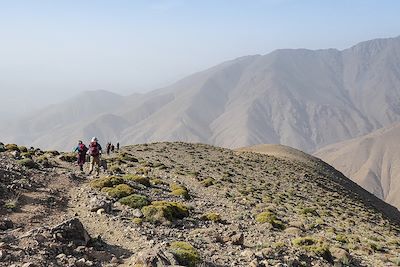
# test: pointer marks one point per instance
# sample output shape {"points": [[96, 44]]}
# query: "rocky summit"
{"points": [[181, 204]]}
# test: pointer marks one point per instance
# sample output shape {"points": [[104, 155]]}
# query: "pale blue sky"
{"points": [[53, 49]]}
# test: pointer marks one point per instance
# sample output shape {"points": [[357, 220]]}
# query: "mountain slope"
{"points": [[182, 204], [372, 161], [302, 98]]}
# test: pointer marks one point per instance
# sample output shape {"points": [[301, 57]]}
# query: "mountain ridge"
{"points": [[303, 98], [371, 160]]}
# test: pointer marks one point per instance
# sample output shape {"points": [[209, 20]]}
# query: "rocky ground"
{"points": [[166, 204]]}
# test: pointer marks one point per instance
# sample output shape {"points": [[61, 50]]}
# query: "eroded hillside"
{"points": [[196, 205]]}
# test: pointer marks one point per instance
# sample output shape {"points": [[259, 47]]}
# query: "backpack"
{"points": [[82, 149], [94, 149]]}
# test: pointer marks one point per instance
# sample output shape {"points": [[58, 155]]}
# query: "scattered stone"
{"points": [[137, 213], [100, 211], [6, 224], [97, 203], [155, 257], [72, 230]]}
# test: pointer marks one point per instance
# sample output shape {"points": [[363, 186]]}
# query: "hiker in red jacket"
{"points": [[95, 153], [81, 149]]}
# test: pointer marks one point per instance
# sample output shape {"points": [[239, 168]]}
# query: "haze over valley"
{"points": [[301, 98]]}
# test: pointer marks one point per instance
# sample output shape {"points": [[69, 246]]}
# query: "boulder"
{"points": [[6, 224], [155, 257], [71, 230], [97, 203]]}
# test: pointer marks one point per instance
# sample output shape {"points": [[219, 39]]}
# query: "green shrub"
{"points": [[53, 153], [120, 191], [116, 169], [157, 181], [304, 241], [26, 155], [23, 149], [68, 157], [123, 156], [137, 221], [29, 163], [208, 182], [185, 253], [135, 201], [11, 147], [269, 217], [179, 190], [138, 179], [317, 247], [161, 211], [211, 216], [11, 204], [341, 238], [44, 161], [109, 181], [308, 210]]}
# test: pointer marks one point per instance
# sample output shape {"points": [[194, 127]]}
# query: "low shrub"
{"points": [[138, 179], [115, 169], [120, 191], [44, 161], [53, 153], [179, 190], [23, 149], [269, 217], [211, 216], [68, 157], [11, 147], [161, 211], [29, 163], [109, 181], [135, 201], [157, 181], [185, 253], [208, 182]]}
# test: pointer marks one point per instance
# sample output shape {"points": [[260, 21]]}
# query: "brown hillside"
{"points": [[193, 205]]}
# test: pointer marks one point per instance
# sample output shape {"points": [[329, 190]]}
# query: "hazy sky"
{"points": [[50, 50]]}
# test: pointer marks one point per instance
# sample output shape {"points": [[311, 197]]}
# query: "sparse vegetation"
{"points": [[11, 147], [138, 179], [208, 182], [269, 217], [68, 157], [211, 216], [119, 191], [29, 163], [160, 211], [179, 190], [135, 201], [109, 181], [186, 254]]}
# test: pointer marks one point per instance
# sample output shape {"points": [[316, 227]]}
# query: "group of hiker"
{"points": [[111, 148], [94, 152]]}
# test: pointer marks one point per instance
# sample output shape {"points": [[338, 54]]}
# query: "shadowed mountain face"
{"points": [[301, 98], [373, 161]]}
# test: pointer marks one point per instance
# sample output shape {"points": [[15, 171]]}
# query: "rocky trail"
{"points": [[179, 204]]}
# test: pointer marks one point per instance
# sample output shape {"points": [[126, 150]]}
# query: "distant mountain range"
{"points": [[373, 161], [297, 97]]}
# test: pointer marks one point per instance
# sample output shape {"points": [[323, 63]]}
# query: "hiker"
{"points": [[81, 149], [95, 153], [112, 148], [108, 148], [118, 146]]}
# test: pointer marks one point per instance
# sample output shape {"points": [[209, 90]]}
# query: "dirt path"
{"points": [[121, 237]]}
